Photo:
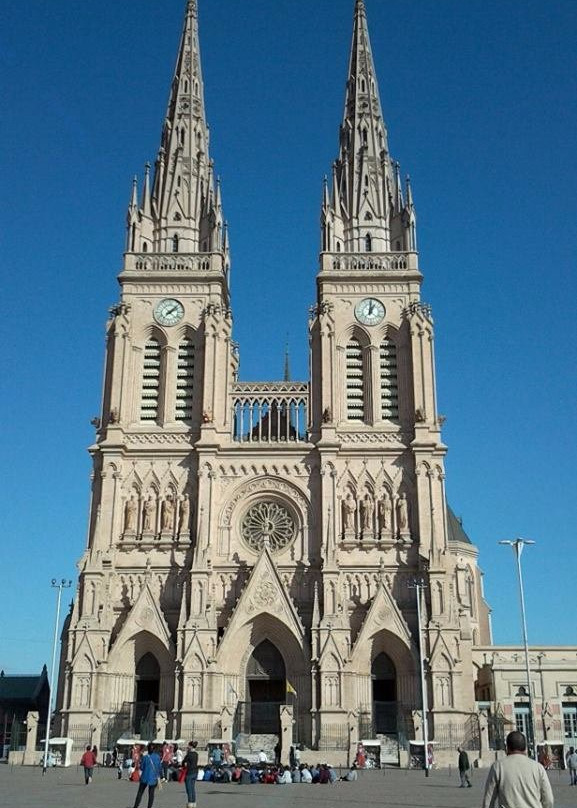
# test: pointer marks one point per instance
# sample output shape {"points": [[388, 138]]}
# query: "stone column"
{"points": [[483, 738], [32, 720], [226, 723], [160, 725], [286, 732], [353, 725]]}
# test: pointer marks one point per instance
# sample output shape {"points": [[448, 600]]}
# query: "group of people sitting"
{"points": [[251, 773]]}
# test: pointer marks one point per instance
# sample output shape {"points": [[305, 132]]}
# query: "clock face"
{"points": [[169, 312], [370, 311]]}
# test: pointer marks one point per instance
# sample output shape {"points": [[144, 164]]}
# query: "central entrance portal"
{"points": [[266, 680], [384, 678], [147, 695]]}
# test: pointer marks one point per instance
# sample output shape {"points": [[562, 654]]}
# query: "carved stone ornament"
{"points": [[268, 521], [265, 598], [145, 617]]}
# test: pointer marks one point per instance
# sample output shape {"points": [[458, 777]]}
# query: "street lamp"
{"points": [[63, 584], [517, 545], [419, 584]]}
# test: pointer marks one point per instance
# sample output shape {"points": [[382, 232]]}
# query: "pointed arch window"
{"points": [[175, 243], [389, 381], [355, 381], [149, 405], [185, 381], [368, 243]]}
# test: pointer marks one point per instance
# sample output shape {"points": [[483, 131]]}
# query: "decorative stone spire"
{"points": [[183, 213], [366, 209]]}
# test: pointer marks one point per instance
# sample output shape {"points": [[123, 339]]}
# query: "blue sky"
{"points": [[480, 102]]}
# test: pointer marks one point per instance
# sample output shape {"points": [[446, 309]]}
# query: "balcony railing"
{"points": [[370, 262], [270, 412], [174, 262]]}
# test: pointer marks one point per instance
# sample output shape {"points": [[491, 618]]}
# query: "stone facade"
{"points": [[253, 545]]}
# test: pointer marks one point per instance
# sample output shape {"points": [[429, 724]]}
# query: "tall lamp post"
{"points": [[418, 584], [518, 545], [59, 585]]}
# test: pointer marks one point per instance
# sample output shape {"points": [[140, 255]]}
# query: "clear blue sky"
{"points": [[480, 100]]}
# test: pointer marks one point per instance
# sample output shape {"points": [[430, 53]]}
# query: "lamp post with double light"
{"points": [[59, 585], [518, 545]]}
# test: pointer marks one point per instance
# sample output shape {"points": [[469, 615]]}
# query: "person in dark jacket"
{"points": [[190, 763], [464, 769]]}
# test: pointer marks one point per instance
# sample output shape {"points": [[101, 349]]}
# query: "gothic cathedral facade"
{"points": [[253, 547]]}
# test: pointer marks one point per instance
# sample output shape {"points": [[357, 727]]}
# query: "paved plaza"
{"points": [[27, 788]]}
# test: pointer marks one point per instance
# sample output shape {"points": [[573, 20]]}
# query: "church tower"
{"points": [[252, 544]]}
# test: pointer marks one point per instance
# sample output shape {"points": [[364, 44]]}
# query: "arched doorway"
{"points": [[384, 678], [266, 688], [147, 695]]}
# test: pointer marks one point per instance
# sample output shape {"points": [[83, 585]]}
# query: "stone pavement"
{"points": [[393, 788]]}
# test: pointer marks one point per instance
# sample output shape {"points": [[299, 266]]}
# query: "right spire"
{"points": [[365, 210]]}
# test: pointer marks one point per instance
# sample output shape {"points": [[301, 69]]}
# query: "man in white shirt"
{"points": [[262, 757], [517, 781], [306, 776], [572, 765]]}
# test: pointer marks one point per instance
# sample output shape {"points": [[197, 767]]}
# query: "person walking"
{"points": [[517, 781], [464, 769], [190, 763], [572, 766], [88, 760], [149, 776]]}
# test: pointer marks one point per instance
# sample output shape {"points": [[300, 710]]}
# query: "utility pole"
{"points": [[419, 584]]}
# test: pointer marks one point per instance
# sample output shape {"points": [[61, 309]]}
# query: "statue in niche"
{"points": [[367, 510], [149, 514], [184, 515], [130, 514], [384, 512], [402, 513], [167, 514], [349, 508]]}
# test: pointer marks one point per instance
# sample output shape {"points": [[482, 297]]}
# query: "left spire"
{"points": [[184, 214]]}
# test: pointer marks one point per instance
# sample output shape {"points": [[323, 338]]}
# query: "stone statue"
{"points": [[367, 510], [384, 512], [149, 514], [130, 513], [167, 514], [402, 513], [349, 508], [184, 515]]}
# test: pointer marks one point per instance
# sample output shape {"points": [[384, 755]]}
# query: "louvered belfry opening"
{"points": [[389, 381], [150, 381], [355, 382], [185, 381]]}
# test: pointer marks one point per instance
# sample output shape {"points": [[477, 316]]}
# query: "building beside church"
{"points": [[252, 545]]}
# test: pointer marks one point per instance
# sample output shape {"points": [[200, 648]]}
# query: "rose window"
{"points": [[268, 520]]}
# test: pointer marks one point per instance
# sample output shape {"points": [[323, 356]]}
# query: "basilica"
{"points": [[266, 558]]}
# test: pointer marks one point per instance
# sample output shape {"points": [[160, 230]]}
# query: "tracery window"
{"points": [[149, 404], [355, 381], [185, 381], [389, 381], [268, 521]]}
